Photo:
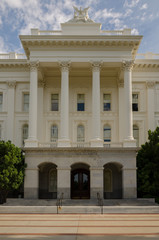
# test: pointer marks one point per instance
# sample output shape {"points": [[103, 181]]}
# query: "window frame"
{"points": [[80, 139], [54, 139], [25, 103], [135, 109], [107, 140], [1, 103], [105, 109], [54, 104], [81, 108], [23, 139]]}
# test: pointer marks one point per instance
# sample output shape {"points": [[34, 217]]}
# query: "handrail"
{"points": [[59, 202], [100, 202]]}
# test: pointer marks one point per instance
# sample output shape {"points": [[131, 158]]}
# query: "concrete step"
{"points": [[80, 206], [78, 209], [79, 202]]}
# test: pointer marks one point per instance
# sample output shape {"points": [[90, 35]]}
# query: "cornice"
{"points": [[81, 151], [13, 63], [77, 40], [143, 64]]}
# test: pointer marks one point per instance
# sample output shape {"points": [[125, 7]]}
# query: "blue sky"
{"points": [[18, 16]]}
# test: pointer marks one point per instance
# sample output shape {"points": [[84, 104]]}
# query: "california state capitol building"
{"points": [[80, 102]]}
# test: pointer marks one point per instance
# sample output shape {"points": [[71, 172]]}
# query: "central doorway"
{"points": [[80, 183]]}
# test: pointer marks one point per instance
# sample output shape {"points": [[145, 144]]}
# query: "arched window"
{"points": [[107, 133], [80, 133], [136, 134], [54, 133], [24, 132]]}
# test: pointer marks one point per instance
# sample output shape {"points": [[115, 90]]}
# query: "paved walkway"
{"points": [[79, 226]]}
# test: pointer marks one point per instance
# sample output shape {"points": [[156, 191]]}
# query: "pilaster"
{"points": [[63, 181], [96, 181], [31, 183]]}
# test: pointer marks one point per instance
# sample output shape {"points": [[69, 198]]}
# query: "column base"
{"points": [[97, 142], [129, 143], [31, 143], [64, 143]]}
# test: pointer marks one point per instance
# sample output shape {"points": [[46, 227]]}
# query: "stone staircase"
{"points": [[72, 206]]}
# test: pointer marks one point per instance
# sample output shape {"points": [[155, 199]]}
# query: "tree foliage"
{"points": [[11, 168], [148, 166]]}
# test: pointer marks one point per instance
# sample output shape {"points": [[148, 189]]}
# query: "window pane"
{"points": [[80, 102], [80, 133], [54, 133], [26, 102], [135, 102], [24, 133], [136, 134], [107, 134], [54, 102], [106, 102]]}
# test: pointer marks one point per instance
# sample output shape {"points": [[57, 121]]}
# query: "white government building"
{"points": [[80, 101]]}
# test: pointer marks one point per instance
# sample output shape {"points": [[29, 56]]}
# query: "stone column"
{"points": [[96, 140], [150, 105], [121, 109], [129, 140], [63, 181], [11, 110], [41, 86], [33, 106], [96, 181], [129, 183], [64, 140], [31, 183]]}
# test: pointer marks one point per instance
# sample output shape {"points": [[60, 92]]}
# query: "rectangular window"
{"points": [[26, 102], [106, 102], [80, 102], [1, 102], [54, 102], [135, 102]]}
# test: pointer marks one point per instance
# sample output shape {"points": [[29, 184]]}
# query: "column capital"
{"points": [[120, 83], [42, 83], [127, 65], [96, 66], [33, 65], [65, 65], [150, 84], [11, 84]]}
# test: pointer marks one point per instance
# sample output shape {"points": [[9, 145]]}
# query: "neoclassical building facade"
{"points": [[80, 102]]}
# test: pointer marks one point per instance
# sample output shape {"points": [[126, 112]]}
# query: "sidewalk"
{"points": [[79, 227]]}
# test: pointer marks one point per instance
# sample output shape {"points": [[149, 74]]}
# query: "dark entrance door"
{"points": [[80, 184]]}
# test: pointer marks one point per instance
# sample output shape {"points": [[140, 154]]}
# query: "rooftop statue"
{"points": [[81, 15]]}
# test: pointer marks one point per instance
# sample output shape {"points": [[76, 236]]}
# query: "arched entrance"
{"points": [[112, 180], [80, 181], [47, 181]]}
